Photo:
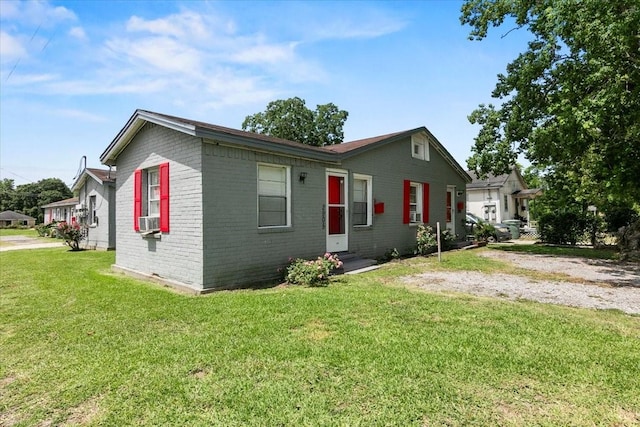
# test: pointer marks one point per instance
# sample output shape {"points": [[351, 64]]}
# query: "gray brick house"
{"points": [[206, 207], [96, 207]]}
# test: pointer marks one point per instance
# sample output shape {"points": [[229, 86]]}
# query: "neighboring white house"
{"points": [[96, 210], [63, 210], [500, 198]]}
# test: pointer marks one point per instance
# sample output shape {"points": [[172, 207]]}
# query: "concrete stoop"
{"points": [[353, 264]]}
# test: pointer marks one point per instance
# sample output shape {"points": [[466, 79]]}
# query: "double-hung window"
{"points": [[274, 196], [362, 200], [92, 210], [151, 198], [415, 202], [153, 193]]}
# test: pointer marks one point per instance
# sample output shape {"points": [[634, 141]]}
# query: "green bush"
{"points": [[47, 230], [427, 240], [485, 232], [565, 228], [312, 273]]}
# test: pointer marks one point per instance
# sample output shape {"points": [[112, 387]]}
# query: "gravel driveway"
{"points": [[598, 284]]}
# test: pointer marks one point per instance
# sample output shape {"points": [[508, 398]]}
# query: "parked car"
{"points": [[500, 233]]}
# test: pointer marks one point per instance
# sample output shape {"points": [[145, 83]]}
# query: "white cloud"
{"points": [[78, 33], [40, 13], [80, 115], [264, 53], [365, 24], [157, 54], [18, 79], [106, 87], [11, 48], [183, 25]]}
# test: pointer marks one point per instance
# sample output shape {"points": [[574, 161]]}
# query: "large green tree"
{"points": [[291, 119], [29, 198], [571, 102]]}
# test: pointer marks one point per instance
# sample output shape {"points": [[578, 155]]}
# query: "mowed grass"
{"points": [[81, 346], [29, 232]]}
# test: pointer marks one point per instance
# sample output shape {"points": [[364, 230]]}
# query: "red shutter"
{"points": [[164, 197], [406, 210], [137, 198], [425, 202]]}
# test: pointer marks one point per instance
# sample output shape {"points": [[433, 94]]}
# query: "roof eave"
{"points": [[133, 126], [265, 146]]}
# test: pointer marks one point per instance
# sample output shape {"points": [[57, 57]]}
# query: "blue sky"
{"points": [[73, 72]]}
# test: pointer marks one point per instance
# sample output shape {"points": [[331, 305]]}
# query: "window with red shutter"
{"points": [[137, 199], [425, 202], [164, 197], [406, 209]]}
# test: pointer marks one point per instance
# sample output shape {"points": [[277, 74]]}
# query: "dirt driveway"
{"points": [[12, 243], [599, 284]]}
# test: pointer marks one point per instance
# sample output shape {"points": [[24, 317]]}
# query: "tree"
{"points": [[291, 119], [29, 198], [571, 101], [7, 194]]}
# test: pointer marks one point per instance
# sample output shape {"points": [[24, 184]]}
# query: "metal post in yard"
{"points": [[438, 237]]}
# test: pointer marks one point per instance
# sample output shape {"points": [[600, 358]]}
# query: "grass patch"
{"points": [[29, 232], [82, 346], [578, 252]]}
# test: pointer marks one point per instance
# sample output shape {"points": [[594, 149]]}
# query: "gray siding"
{"points": [[236, 251], [100, 235], [176, 255], [389, 166]]}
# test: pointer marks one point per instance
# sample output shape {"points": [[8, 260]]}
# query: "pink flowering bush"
{"points": [[312, 273], [71, 233]]}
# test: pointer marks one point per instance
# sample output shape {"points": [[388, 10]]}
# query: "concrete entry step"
{"points": [[352, 263]]}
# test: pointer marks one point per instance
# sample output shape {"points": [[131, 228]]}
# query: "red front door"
{"points": [[336, 212]]}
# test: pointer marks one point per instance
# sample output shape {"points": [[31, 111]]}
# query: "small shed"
{"points": [[16, 219]]}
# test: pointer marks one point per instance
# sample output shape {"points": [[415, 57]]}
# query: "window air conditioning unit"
{"points": [[415, 217], [149, 223]]}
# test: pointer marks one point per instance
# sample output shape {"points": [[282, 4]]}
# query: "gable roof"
{"points": [[15, 216], [66, 202], [494, 181], [331, 154], [102, 176]]}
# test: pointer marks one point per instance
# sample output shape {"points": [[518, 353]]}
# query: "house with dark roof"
{"points": [[62, 210], [16, 219], [205, 207], [96, 208], [500, 197]]}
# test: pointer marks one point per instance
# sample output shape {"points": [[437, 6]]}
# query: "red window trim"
{"points": [[164, 196], [406, 209], [137, 198], [425, 202]]}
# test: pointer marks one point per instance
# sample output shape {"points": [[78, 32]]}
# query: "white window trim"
{"points": [[421, 141], [369, 180], [288, 195], [419, 203], [92, 213], [148, 186]]}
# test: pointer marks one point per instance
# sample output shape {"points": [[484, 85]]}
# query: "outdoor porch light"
{"points": [[303, 176]]}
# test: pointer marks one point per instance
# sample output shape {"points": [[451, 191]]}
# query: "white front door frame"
{"points": [[337, 213], [451, 195]]}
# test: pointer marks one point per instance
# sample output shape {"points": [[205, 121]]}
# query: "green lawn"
{"points": [[29, 232], [81, 346]]}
